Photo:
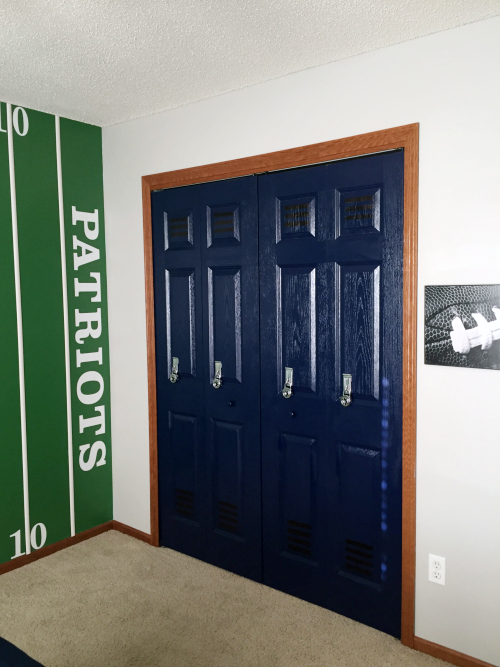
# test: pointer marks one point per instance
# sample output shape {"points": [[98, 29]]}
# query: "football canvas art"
{"points": [[462, 325]]}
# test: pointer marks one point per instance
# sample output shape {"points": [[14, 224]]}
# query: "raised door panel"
{"points": [[178, 229], [181, 319], [224, 320], [298, 492], [223, 225], [361, 510], [358, 303], [297, 326], [185, 466], [228, 477], [358, 210]]}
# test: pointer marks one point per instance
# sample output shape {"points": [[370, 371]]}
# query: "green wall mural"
{"points": [[55, 445]]}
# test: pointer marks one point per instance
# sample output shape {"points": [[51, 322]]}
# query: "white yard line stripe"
{"points": [[19, 317], [66, 327]]}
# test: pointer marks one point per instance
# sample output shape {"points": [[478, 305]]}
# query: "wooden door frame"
{"points": [[406, 137]]}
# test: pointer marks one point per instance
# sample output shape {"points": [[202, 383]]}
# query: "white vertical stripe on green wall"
{"points": [[66, 326], [19, 315]]}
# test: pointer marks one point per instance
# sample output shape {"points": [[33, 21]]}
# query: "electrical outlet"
{"points": [[437, 569]]}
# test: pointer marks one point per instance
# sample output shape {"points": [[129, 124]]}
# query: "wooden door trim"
{"points": [[405, 136]]}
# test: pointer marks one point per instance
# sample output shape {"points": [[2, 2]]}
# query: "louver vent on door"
{"points": [[299, 538], [223, 225], [228, 517], [178, 230], [360, 211], [297, 217], [359, 558], [184, 503]]}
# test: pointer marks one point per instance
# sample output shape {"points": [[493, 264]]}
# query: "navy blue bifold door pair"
{"points": [[276, 296]]}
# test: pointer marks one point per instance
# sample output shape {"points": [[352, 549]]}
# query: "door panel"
{"points": [[224, 317], [185, 465], [299, 479], [360, 327], [206, 309], [229, 261], [298, 324], [296, 332], [229, 475], [179, 333], [331, 270], [181, 318], [359, 469]]}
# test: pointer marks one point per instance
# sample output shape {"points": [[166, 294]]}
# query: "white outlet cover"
{"points": [[437, 569]]}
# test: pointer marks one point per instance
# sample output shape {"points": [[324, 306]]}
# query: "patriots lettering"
{"points": [[89, 329]]}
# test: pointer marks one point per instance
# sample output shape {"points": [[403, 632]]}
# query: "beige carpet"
{"points": [[114, 601]]}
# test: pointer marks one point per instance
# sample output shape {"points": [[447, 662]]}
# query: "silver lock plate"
{"points": [[175, 369], [287, 389], [346, 398], [217, 375]]}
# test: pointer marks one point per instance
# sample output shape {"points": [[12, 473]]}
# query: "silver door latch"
{"points": [[346, 398], [218, 375], [175, 369], [287, 389]]}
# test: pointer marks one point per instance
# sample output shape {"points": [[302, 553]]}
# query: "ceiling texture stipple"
{"points": [[107, 61]]}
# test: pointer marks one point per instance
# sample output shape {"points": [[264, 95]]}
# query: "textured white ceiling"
{"points": [[106, 61]]}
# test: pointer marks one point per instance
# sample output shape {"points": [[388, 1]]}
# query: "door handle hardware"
{"points": [[287, 389], [346, 398], [175, 370], [217, 375]]}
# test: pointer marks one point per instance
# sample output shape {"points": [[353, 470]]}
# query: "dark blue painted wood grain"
{"points": [[205, 240], [323, 246], [331, 303], [177, 217]]}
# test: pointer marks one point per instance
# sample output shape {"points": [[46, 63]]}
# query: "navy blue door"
{"points": [[331, 254], [205, 240], [327, 262]]}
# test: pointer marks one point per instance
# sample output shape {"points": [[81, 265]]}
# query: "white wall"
{"points": [[449, 83]]}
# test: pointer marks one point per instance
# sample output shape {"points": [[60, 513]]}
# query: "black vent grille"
{"points": [[223, 223], [360, 210], [297, 217], [184, 503], [299, 538], [359, 558], [178, 229], [228, 517]]}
